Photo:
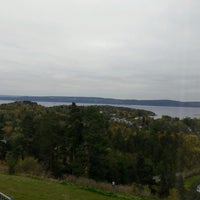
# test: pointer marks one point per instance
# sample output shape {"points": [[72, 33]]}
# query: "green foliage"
{"points": [[30, 166], [190, 186], [11, 161], [100, 142], [191, 181], [173, 194]]}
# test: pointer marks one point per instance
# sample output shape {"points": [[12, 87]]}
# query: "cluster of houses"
{"points": [[122, 121], [198, 188], [128, 122]]}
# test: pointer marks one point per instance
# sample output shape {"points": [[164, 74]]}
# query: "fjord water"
{"points": [[180, 112]]}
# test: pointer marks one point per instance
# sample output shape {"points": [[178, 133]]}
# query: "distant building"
{"points": [[198, 188], [122, 121], [157, 178]]}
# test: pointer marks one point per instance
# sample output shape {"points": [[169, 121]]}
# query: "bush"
{"points": [[11, 161], [108, 187], [173, 194], [141, 190], [30, 166], [3, 167]]}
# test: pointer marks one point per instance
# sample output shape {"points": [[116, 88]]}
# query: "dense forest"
{"points": [[103, 143]]}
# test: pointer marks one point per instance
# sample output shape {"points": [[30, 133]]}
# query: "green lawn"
{"points": [[25, 188]]}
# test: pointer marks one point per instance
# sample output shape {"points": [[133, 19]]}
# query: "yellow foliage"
{"points": [[7, 129], [173, 194]]}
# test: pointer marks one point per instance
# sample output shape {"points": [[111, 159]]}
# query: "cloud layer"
{"points": [[107, 48]]}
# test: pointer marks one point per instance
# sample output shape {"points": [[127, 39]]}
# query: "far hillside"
{"points": [[99, 100]]}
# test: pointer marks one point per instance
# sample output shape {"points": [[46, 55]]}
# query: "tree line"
{"points": [[87, 141]]}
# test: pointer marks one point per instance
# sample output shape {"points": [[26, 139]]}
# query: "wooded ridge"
{"points": [[103, 143], [99, 100]]}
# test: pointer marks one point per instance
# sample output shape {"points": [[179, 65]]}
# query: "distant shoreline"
{"points": [[159, 111], [99, 100]]}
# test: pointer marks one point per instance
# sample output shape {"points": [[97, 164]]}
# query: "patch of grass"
{"points": [[23, 188]]}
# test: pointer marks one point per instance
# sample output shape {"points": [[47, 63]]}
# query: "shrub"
{"points": [[141, 190], [173, 194], [108, 187], [3, 167], [11, 161], [29, 165]]}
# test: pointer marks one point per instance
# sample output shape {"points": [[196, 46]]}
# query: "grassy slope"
{"points": [[24, 188]]}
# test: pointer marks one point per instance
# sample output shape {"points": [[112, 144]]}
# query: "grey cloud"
{"points": [[113, 48]]}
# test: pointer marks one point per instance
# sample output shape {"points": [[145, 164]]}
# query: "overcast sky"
{"points": [[136, 49]]}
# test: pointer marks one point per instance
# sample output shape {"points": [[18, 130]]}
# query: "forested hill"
{"points": [[103, 143], [98, 100]]}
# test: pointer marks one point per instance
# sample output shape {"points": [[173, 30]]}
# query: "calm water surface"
{"points": [[180, 112]]}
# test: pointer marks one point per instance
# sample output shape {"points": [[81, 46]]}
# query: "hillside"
{"points": [[23, 188], [101, 143], [98, 100]]}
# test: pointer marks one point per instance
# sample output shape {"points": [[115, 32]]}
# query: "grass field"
{"points": [[25, 188]]}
